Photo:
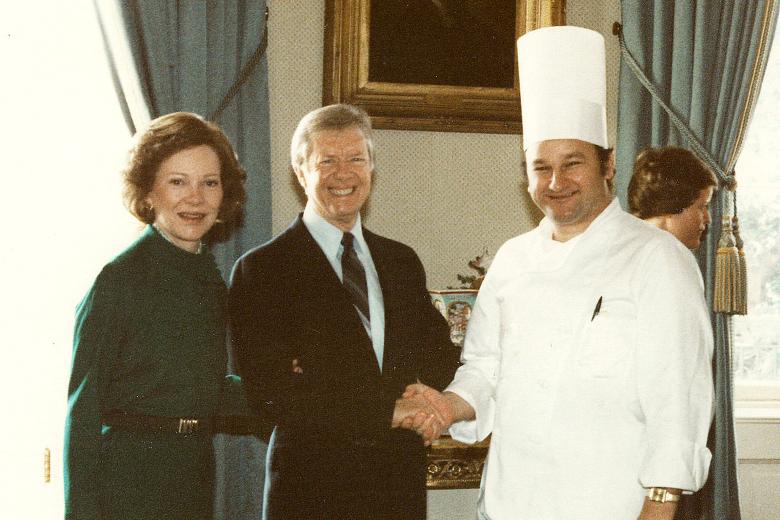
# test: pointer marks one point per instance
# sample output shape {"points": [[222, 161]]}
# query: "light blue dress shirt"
{"points": [[328, 237]]}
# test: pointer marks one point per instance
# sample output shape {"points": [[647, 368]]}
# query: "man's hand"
{"points": [[436, 411], [434, 399], [450, 406], [414, 413]]}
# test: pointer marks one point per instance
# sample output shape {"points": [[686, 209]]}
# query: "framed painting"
{"points": [[443, 65]]}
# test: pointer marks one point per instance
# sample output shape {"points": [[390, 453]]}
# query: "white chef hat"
{"points": [[563, 89]]}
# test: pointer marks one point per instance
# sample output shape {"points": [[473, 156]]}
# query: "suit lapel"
{"points": [[317, 275], [311, 260]]}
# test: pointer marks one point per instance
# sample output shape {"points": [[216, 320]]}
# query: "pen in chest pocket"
{"points": [[597, 309]]}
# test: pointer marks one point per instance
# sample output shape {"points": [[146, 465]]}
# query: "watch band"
{"points": [[662, 495]]}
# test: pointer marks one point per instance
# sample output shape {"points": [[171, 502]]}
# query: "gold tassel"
{"points": [[741, 296], [727, 272]]}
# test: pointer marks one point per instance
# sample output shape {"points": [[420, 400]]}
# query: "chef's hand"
{"points": [[449, 406], [414, 413], [435, 400]]}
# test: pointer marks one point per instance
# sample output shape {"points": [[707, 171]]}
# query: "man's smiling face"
{"points": [[568, 182], [337, 175]]}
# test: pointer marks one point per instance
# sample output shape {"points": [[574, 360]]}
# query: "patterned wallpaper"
{"points": [[448, 195]]}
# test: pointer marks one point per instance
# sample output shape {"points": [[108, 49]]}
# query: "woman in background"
{"points": [[671, 188], [149, 355]]}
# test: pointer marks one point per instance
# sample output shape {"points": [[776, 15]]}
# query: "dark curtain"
{"points": [[187, 56], [706, 61]]}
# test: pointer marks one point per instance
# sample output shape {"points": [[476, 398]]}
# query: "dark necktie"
{"points": [[354, 276]]}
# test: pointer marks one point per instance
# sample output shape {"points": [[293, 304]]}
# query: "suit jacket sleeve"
{"points": [[438, 358]]}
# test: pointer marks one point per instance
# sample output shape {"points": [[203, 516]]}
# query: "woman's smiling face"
{"points": [[186, 195]]}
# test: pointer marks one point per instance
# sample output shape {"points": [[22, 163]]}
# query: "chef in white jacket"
{"points": [[588, 352]]}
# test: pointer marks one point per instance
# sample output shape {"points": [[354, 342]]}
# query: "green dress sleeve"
{"points": [[95, 339]]}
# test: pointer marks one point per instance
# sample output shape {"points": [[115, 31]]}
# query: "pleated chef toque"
{"points": [[563, 86]]}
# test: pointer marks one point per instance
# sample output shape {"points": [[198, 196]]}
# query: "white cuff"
{"points": [[675, 463], [484, 409]]}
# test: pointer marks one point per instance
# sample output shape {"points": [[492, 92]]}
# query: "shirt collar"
{"points": [[329, 236]]}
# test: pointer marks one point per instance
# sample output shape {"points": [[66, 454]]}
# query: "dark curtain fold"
{"points": [[706, 60], [185, 56]]}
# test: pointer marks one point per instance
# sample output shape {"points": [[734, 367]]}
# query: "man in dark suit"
{"points": [[330, 323]]}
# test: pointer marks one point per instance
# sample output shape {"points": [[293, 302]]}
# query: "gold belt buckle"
{"points": [[187, 425]]}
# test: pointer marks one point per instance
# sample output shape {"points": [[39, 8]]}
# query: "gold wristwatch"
{"points": [[662, 495]]}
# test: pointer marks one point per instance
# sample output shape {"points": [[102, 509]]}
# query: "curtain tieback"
{"points": [[730, 294], [730, 269], [243, 76]]}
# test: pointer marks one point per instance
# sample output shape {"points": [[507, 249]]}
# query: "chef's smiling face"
{"points": [[568, 182], [186, 195], [336, 175]]}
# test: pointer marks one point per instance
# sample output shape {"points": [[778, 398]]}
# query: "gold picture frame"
{"points": [[406, 105]]}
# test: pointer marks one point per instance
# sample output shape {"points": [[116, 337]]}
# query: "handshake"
{"points": [[423, 409], [426, 411]]}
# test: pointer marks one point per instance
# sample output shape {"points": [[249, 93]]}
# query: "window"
{"points": [[64, 140], [756, 355]]}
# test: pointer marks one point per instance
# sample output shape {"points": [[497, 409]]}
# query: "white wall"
{"points": [[758, 452]]}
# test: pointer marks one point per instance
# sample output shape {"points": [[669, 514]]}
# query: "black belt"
{"points": [[236, 425]]}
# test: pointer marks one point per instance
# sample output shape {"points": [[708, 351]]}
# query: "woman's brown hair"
{"points": [[666, 180], [168, 135]]}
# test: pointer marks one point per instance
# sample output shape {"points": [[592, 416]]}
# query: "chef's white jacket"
{"points": [[586, 406]]}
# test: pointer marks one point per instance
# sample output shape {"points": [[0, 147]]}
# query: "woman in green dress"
{"points": [[149, 355]]}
